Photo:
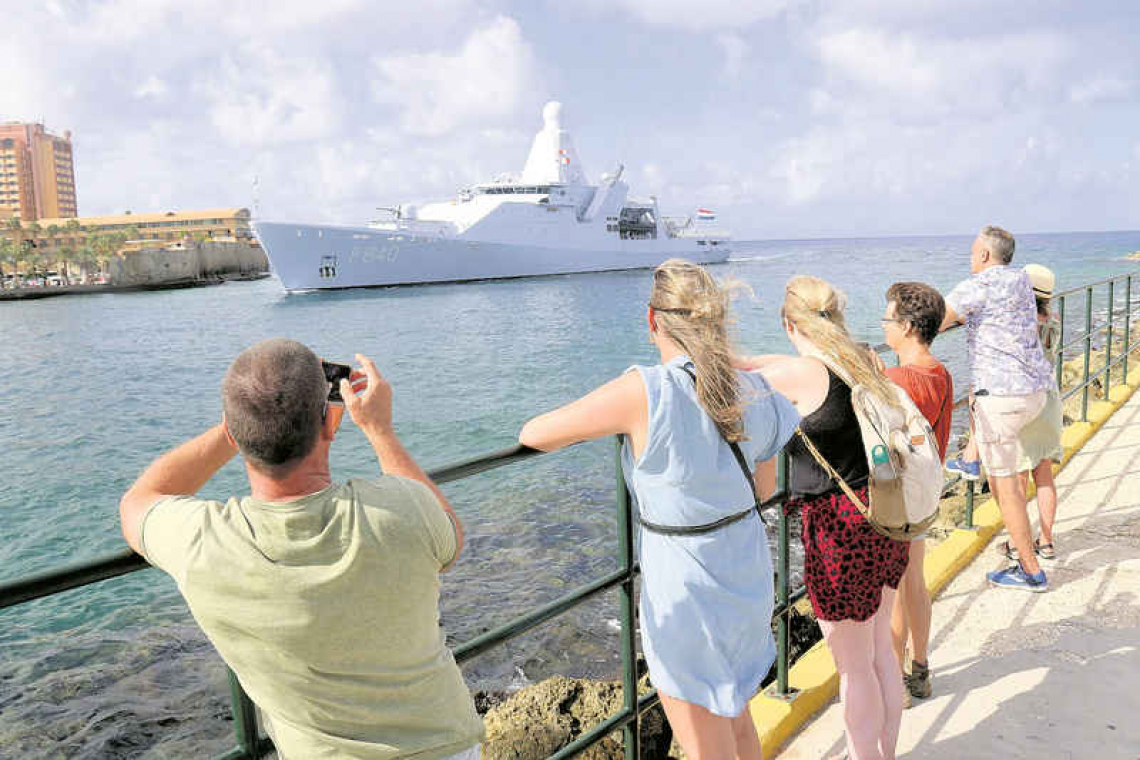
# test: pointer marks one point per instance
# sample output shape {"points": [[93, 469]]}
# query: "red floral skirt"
{"points": [[846, 562]]}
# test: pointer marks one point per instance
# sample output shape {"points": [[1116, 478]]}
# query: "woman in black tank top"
{"points": [[834, 431], [851, 571]]}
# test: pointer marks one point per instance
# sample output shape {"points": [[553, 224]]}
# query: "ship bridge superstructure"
{"points": [[548, 219], [553, 189]]}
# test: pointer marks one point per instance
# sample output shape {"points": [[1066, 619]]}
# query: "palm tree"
{"points": [[74, 231], [31, 256], [52, 233], [8, 255], [86, 256], [16, 238], [105, 246], [65, 256]]}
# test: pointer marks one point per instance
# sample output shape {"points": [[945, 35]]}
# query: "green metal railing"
{"points": [[1113, 309], [251, 745]]}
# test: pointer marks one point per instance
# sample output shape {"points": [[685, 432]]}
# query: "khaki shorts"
{"points": [[997, 422]]}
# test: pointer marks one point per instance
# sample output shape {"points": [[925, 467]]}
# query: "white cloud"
{"points": [[1101, 89], [701, 17], [490, 76], [735, 50], [922, 78], [258, 97], [153, 87], [822, 101]]}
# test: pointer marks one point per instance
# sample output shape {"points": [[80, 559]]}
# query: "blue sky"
{"points": [[789, 118]]}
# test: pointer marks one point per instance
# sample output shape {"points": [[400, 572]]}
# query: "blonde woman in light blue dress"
{"points": [[707, 584]]}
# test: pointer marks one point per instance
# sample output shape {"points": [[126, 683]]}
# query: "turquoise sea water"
{"points": [[93, 387]]}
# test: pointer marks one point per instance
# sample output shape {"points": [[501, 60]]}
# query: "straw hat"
{"points": [[1042, 279]]}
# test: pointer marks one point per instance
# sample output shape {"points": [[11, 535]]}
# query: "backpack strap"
{"points": [[739, 455]]}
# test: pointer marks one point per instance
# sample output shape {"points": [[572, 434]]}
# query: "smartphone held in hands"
{"points": [[334, 373]]}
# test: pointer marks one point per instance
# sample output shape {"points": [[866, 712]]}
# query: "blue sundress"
{"points": [[706, 600]]}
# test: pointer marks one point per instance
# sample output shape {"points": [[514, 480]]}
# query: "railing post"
{"points": [[1127, 323], [969, 504], [245, 718], [1108, 339], [783, 587], [631, 734], [1061, 344], [1088, 354]]}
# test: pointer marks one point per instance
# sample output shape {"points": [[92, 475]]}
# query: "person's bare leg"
{"points": [[890, 680], [970, 453], [852, 645], [1046, 498], [702, 734], [1011, 501], [900, 631], [747, 740], [917, 598]]}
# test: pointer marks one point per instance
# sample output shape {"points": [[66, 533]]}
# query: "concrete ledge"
{"points": [[816, 679], [814, 674]]}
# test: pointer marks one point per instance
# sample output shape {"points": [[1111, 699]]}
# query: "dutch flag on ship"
{"points": [[705, 215]]}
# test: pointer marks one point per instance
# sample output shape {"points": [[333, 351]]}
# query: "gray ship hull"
{"points": [[316, 257]]}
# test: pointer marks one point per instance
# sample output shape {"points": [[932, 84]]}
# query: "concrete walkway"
{"points": [[1041, 676]]}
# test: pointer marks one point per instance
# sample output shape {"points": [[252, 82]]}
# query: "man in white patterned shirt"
{"points": [[1009, 378]]}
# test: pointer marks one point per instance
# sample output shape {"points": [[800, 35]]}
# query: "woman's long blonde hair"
{"points": [[692, 310], [815, 309]]}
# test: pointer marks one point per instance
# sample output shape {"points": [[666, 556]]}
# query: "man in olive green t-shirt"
{"points": [[322, 598]]}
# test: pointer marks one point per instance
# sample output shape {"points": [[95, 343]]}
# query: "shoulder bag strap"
{"points": [[736, 452], [831, 471]]}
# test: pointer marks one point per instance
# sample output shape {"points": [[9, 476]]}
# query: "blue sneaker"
{"points": [[1015, 577], [968, 470]]}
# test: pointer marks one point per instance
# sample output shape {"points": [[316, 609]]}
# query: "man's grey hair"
{"points": [[274, 398], [999, 243]]}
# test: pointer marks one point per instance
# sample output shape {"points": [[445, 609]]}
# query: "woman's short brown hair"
{"points": [[919, 305]]}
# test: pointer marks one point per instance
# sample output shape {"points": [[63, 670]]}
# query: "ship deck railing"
{"points": [[1115, 298]]}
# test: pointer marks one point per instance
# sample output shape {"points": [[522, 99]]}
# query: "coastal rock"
{"points": [[537, 721]]}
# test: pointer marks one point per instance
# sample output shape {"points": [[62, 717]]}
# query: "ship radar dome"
{"points": [[552, 115]]}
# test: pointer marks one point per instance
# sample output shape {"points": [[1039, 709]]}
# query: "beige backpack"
{"points": [[905, 483]]}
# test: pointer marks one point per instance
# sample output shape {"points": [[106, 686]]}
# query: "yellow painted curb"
{"points": [[814, 675]]}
